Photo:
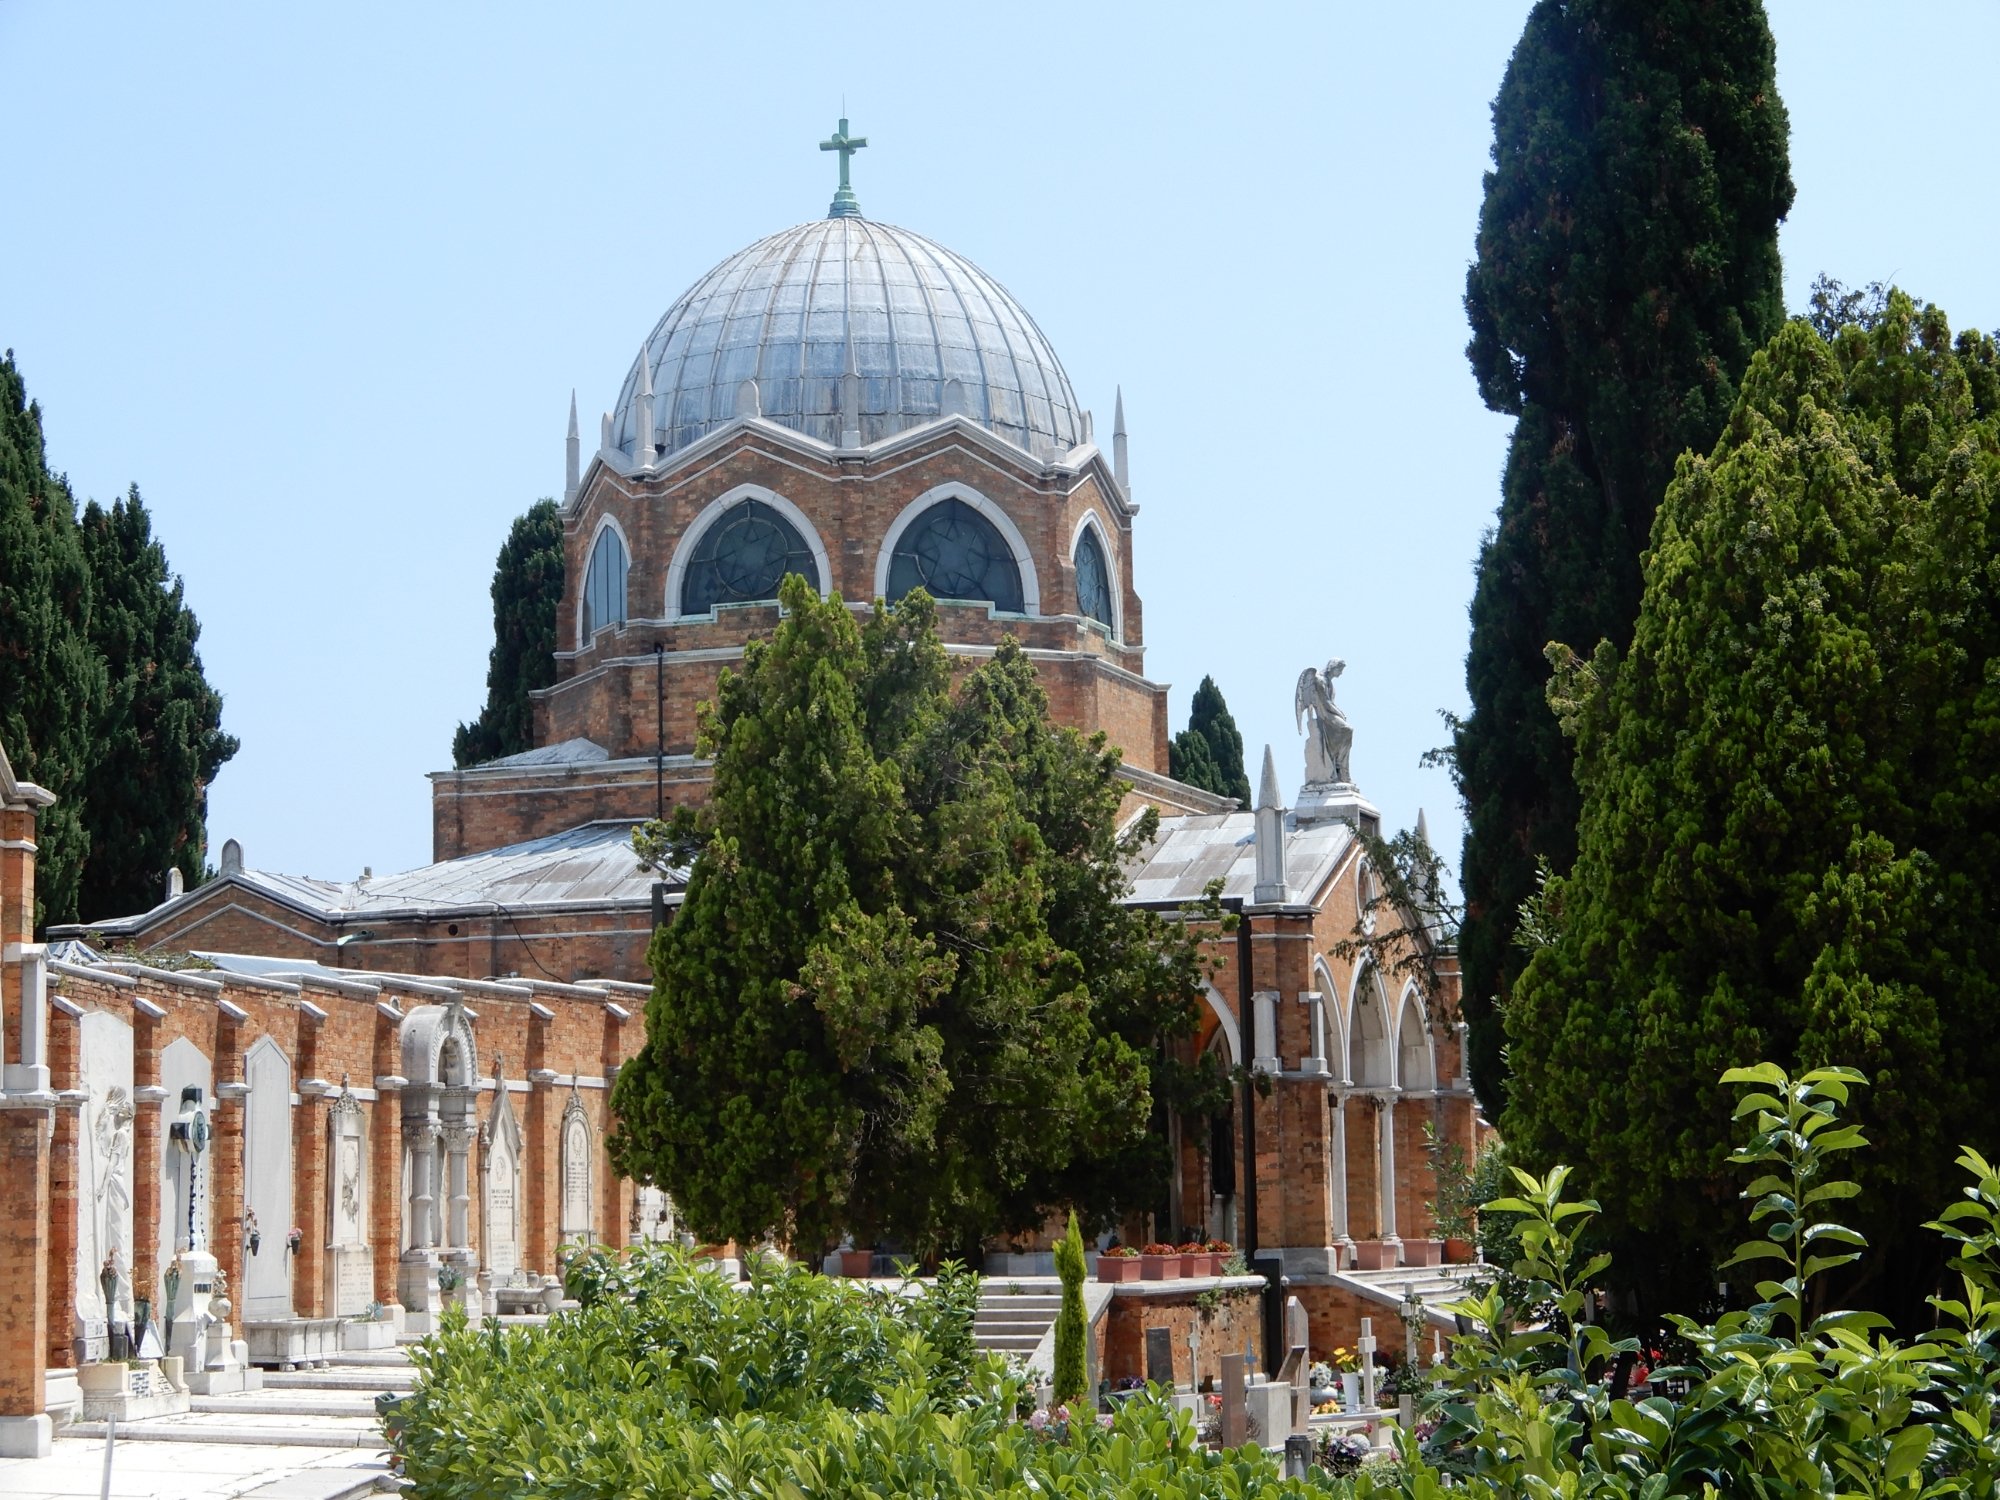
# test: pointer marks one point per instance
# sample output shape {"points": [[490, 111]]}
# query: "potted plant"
{"points": [[1454, 1208], [1158, 1262], [294, 1237], [1195, 1259], [1119, 1263]]}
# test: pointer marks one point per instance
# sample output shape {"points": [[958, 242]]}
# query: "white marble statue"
{"points": [[1329, 738]]}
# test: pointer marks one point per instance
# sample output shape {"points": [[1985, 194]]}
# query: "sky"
{"points": [[321, 278]]}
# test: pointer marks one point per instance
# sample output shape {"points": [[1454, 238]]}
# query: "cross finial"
{"points": [[844, 204]]}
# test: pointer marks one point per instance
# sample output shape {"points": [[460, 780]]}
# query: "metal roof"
{"points": [[791, 311], [1192, 851]]}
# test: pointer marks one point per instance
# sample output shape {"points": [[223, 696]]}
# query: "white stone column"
{"points": [[1264, 1007], [1313, 1064], [423, 1138], [457, 1144], [1342, 1238], [29, 1073], [1386, 1123]]}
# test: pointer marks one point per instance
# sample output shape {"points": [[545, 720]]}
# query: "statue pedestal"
{"points": [[1335, 802]]}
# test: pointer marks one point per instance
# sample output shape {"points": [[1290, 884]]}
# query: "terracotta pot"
{"points": [[1195, 1263], [1160, 1267], [856, 1262], [1423, 1252], [1458, 1252], [1374, 1255], [1116, 1268]]}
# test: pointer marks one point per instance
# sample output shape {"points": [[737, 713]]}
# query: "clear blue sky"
{"points": [[321, 277]]}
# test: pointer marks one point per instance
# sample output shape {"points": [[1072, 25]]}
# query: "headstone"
{"points": [[183, 1066], [576, 1223], [1298, 1328], [104, 1181], [1233, 1425], [267, 1182], [1160, 1356], [350, 1261], [652, 1215], [503, 1188]]}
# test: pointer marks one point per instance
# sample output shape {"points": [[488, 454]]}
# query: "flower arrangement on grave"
{"points": [[448, 1278], [1342, 1452], [294, 1237]]}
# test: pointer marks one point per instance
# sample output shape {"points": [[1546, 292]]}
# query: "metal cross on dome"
{"points": [[844, 204]]}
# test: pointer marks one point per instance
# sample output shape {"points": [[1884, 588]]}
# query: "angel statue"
{"points": [[1331, 737]]}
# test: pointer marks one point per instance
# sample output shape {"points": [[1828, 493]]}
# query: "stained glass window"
{"points": [[954, 552], [1093, 578], [604, 584], [743, 557]]}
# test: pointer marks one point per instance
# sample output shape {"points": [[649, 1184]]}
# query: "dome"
{"points": [[783, 311]]}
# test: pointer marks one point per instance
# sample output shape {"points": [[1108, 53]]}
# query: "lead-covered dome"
{"points": [[784, 311]]}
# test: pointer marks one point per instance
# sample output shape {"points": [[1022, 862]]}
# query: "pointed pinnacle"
{"points": [[1118, 415], [1267, 784], [645, 373], [572, 411]]}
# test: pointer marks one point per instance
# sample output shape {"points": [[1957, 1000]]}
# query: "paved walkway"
{"points": [[192, 1471]]}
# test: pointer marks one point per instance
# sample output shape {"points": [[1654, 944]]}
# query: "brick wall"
{"points": [[1231, 1327]]}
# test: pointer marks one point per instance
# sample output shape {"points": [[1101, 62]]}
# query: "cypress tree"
{"points": [[1626, 271], [527, 590], [159, 741], [1791, 812], [1209, 752], [52, 685]]}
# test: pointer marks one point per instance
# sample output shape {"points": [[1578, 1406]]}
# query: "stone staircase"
{"points": [[1437, 1285], [332, 1407], [1016, 1315]]}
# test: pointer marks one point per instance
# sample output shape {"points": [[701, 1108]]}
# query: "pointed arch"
{"points": [[1370, 1038], [1416, 1048], [1024, 561], [1090, 528], [1338, 1009], [607, 564], [1229, 1029]]}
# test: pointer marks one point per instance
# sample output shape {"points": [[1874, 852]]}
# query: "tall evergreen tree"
{"points": [[527, 591], [903, 995], [52, 685], [1791, 810], [159, 740], [1209, 752], [1626, 271]]}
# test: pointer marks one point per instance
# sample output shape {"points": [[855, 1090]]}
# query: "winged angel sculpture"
{"points": [[1330, 739]]}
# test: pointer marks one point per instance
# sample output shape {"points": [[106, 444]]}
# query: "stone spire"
{"points": [[1119, 466], [572, 454], [1270, 837], [642, 414], [1423, 829]]}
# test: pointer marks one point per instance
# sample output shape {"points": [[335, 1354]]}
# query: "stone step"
{"points": [[1010, 1343], [369, 1381], [352, 1358], [1049, 1305], [248, 1430], [295, 1403]]}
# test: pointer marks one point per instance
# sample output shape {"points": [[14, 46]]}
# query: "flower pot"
{"points": [[1458, 1252], [1423, 1252], [1116, 1268], [1160, 1267], [1374, 1255], [1195, 1263], [856, 1262]]}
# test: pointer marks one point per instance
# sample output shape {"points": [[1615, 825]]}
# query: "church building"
{"points": [[402, 1080]]}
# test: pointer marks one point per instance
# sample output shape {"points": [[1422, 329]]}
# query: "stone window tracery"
{"points": [[1093, 579], [604, 584], [743, 557], [954, 552]]}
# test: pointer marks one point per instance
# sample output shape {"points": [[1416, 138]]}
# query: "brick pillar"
{"points": [[226, 1164], [385, 1160], [27, 1253], [62, 1198], [147, 1130], [1364, 1193], [309, 1137]]}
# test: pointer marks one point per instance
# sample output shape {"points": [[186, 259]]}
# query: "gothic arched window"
{"points": [[1093, 578], [743, 557], [604, 584], [954, 552]]}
